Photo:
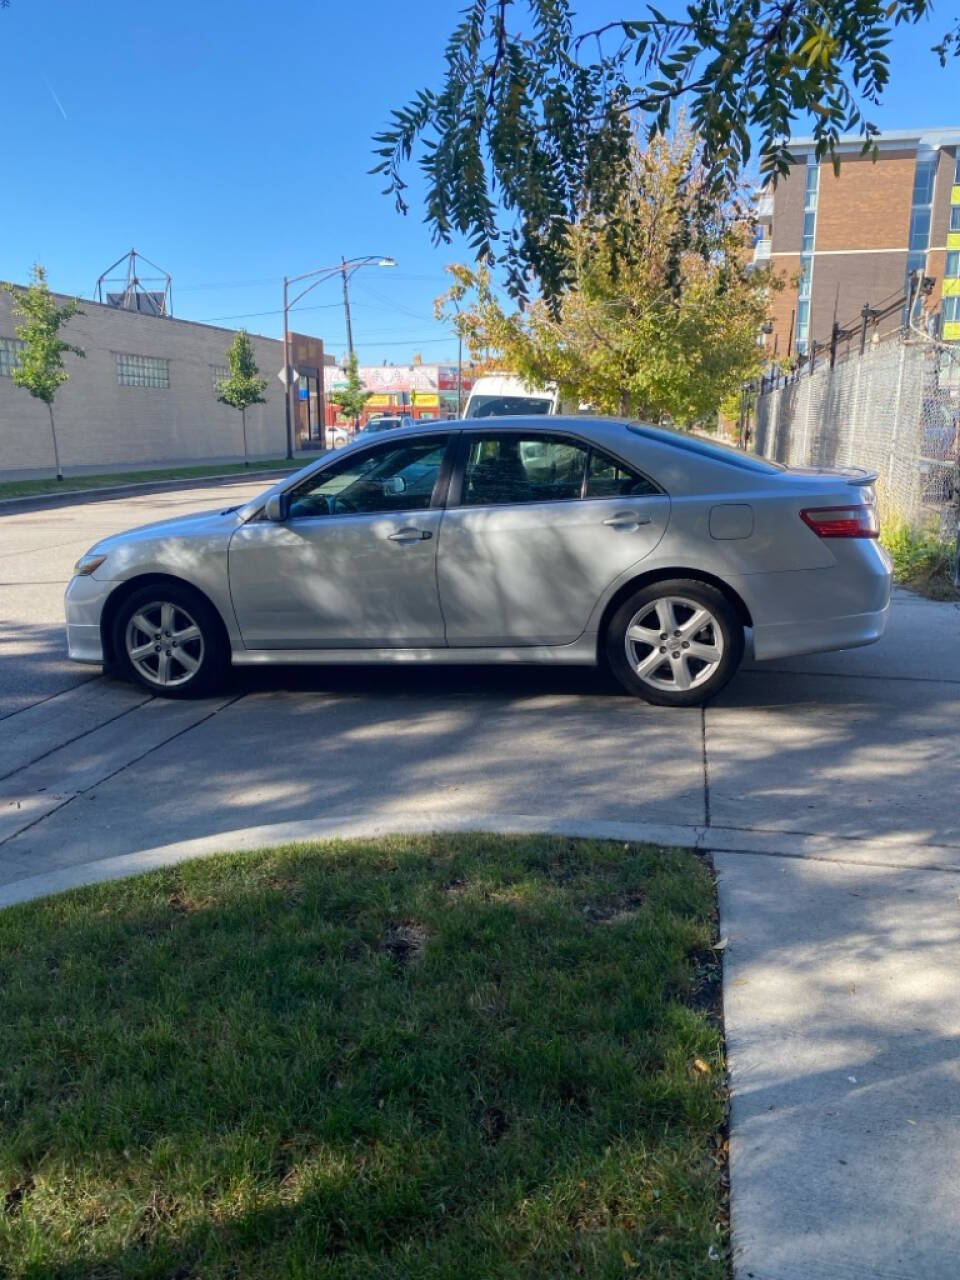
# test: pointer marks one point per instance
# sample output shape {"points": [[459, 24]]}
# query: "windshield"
{"points": [[507, 406], [707, 448]]}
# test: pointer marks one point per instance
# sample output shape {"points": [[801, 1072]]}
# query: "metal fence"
{"points": [[894, 410]]}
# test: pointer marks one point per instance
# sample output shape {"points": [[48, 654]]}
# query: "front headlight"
{"points": [[88, 564]]}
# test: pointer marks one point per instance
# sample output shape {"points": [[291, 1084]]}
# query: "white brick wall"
{"points": [[102, 425]]}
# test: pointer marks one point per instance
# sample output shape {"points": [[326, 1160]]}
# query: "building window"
{"points": [[956, 176], [951, 309], [955, 218], [952, 268], [919, 230], [10, 349], [924, 178], [218, 373], [805, 288], [143, 371]]}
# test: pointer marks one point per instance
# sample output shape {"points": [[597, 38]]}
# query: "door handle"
{"points": [[627, 520], [410, 535]]}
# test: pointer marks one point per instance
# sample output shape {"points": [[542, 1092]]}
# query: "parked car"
{"points": [[386, 422], [338, 436], [578, 540]]}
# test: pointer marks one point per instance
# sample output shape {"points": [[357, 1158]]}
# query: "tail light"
{"points": [[842, 522]]}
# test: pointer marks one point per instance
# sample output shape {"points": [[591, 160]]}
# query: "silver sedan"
{"points": [[574, 540]]}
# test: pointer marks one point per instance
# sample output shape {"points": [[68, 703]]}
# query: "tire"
{"points": [[170, 640], [640, 654]]}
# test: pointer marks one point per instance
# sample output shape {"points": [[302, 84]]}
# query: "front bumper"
{"points": [[83, 604]]}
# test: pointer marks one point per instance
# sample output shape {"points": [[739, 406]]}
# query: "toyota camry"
{"points": [[559, 540]]}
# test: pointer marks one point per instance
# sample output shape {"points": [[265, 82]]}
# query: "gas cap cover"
{"points": [[731, 520]]}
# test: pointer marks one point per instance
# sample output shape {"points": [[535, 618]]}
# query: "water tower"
{"points": [[124, 287]]}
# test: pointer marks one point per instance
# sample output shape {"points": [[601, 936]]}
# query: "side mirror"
{"points": [[394, 485], [277, 508]]}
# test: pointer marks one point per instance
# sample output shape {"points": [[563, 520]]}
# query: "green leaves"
{"points": [[40, 369], [528, 131], [353, 395], [244, 387], [662, 313]]}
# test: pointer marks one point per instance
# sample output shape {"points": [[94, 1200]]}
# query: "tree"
{"points": [[39, 368], [244, 387], [529, 130], [353, 395], [649, 335]]}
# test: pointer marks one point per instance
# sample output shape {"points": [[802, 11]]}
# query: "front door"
{"points": [[354, 565], [536, 529]]}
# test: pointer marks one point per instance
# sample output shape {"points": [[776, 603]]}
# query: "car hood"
{"points": [[201, 523]]}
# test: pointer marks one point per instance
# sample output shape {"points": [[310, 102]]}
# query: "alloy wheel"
{"points": [[674, 644], [164, 644]]}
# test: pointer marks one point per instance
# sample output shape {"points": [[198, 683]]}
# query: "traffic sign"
{"points": [[294, 376]]}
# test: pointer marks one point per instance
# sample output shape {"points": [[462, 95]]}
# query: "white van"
{"points": [[506, 396]]}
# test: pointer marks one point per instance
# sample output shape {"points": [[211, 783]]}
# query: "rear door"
{"points": [[537, 527]]}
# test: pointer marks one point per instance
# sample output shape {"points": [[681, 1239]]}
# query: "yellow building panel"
{"points": [[951, 288], [951, 332], [955, 195], [953, 240]]}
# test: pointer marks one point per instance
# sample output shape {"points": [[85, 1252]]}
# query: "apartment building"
{"points": [[843, 241]]}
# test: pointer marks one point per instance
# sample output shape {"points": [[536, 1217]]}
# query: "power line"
{"points": [[250, 315]]}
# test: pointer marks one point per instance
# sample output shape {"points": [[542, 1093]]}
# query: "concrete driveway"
{"points": [[827, 789]]}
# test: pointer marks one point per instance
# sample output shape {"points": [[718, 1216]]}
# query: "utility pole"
{"points": [[460, 376], [346, 305], [345, 269], [286, 367]]}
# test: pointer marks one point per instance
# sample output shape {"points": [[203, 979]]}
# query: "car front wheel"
{"points": [[170, 640], [675, 643]]}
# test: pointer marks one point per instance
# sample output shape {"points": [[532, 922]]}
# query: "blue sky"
{"points": [[229, 142]]}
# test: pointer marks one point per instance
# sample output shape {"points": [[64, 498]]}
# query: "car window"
{"points": [[391, 477], [608, 478], [503, 469], [507, 406], [717, 452]]}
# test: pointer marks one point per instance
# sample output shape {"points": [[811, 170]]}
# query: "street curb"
{"points": [[246, 839], [69, 497], [851, 851]]}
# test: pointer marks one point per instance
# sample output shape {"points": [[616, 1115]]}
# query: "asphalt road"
{"points": [[825, 787]]}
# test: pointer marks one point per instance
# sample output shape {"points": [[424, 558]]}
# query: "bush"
{"points": [[922, 559]]}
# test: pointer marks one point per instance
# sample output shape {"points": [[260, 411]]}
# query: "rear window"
{"points": [[707, 449], [506, 406]]}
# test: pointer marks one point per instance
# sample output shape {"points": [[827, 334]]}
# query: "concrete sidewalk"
{"points": [[825, 788]]}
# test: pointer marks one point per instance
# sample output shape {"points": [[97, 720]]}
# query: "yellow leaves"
{"points": [[702, 1068], [820, 46]]}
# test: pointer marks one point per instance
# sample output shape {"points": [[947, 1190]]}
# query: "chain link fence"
{"points": [[895, 410]]}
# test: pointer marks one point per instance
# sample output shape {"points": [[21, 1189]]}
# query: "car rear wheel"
{"points": [[675, 643], [170, 640]]}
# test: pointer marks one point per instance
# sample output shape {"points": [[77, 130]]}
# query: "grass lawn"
{"points": [[74, 484], [449, 1057]]}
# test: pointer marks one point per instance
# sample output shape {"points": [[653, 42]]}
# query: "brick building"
{"points": [[146, 394], [843, 241]]}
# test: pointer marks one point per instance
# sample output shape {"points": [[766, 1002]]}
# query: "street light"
{"points": [[345, 269]]}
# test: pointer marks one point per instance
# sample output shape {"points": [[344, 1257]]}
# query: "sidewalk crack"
{"points": [[706, 769]]}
